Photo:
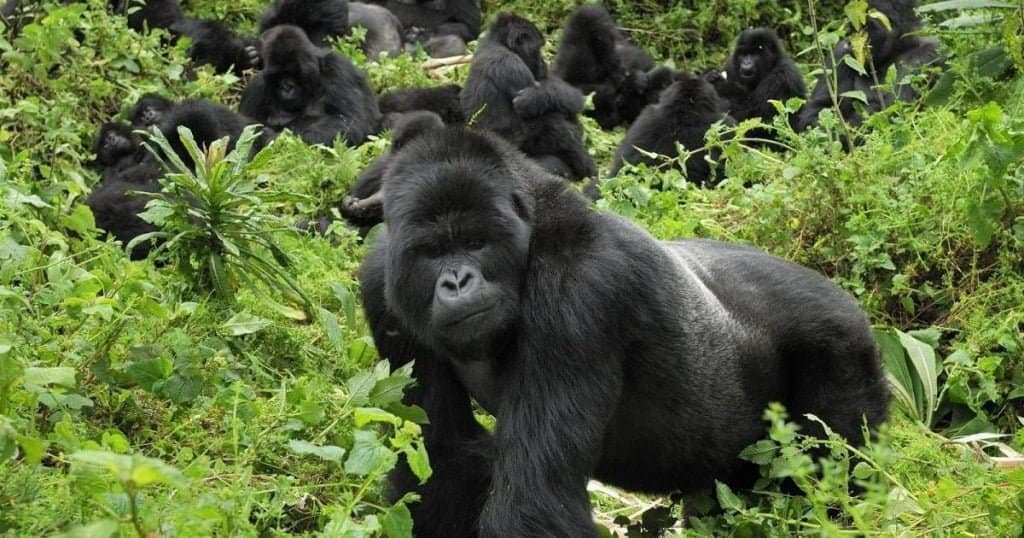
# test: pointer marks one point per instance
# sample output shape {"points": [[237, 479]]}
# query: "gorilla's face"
{"points": [[458, 239], [114, 142], [757, 52]]}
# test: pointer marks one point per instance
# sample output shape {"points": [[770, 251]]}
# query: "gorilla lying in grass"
{"points": [[601, 352]]}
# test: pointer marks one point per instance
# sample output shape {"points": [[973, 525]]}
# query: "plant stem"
{"points": [[134, 505]]}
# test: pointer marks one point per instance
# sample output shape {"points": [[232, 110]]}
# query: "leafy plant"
{"points": [[213, 223], [912, 369]]}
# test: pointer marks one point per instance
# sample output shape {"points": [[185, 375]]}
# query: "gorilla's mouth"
{"points": [[471, 316], [747, 74]]}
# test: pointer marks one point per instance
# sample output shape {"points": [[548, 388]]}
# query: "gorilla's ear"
{"points": [[413, 124]]}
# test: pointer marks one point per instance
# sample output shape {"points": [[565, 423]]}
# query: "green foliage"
{"points": [[910, 363], [130, 404], [212, 222]]}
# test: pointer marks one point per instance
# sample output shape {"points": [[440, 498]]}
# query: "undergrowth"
{"points": [[136, 401]]}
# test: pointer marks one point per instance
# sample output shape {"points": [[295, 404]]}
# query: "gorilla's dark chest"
{"points": [[480, 379]]}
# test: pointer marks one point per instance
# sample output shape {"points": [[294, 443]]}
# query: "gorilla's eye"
{"points": [[475, 244], [760, 47]]}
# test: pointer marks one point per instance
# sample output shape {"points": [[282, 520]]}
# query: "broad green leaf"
{"points": [[368, 455], [324, 452], [389, 390], [244, 323], [41, 377], [897, 370], [922, 357], [332, 329], [80, 220], [365, 415], [397, 521]]}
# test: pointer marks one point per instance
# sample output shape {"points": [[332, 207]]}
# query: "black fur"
{"points": [[897, 47], [759, 71], [443, 27], [509, 92], [208, 122], [683, 115], [116, 147], [363, 204], [383, 29], [596, 58], [116, 208], [441, 100], [216, 45], [601, 352], [149, 110], [320, 19], [317, 93], [638, 91], [125, 166], [148, 13]]}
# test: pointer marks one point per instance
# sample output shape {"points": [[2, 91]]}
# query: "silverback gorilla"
{"points": [[602, 352]]}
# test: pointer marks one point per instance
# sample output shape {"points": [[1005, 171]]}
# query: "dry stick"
{"points": [[434, 63], [439, 67]]}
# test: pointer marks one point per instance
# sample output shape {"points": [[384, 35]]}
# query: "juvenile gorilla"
{"points": [[321, 20], [315, 92], [686, 111], [128, 167], [508, 91], [149, 110], [601, 352], [897, 47], [443, 27], [759, 71], [595, 57], [383, 29]]}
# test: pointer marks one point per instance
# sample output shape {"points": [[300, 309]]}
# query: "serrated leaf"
{"points": [[411, 413], [368, 455], [727, 499], [324, 452], [147, 372], [418, 461], [80, 220], [761, 452], [359, 387], [389, 390], [397, 521], [147, 471]]}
